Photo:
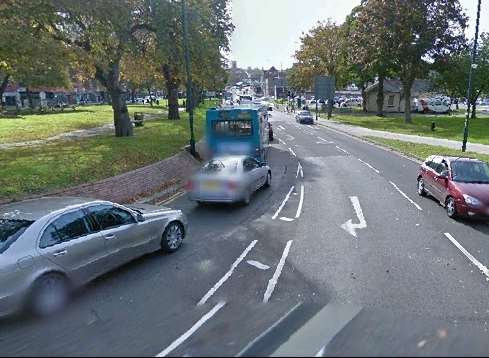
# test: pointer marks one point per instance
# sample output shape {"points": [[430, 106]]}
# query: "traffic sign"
{"points": [[324, 87]]}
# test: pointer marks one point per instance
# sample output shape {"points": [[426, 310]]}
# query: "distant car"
{"points": [[304, 117], [460, 184], [228, 180], [49, 246], [433, 105]]}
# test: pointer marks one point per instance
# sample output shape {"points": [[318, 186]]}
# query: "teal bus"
{"points": [[241, 130]]}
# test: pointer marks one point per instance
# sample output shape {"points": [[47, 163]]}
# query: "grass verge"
{"points": [[449, 127], [422, 151], [32, 170]]}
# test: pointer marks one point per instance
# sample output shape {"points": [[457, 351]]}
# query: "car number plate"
{"points": [[211, 185]]}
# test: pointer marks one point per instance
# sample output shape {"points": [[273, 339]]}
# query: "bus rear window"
{"points": [[233, 128]]}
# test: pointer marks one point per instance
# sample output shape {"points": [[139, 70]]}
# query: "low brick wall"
{"points": [[169, 174]]}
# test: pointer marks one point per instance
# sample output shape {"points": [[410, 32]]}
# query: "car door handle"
{"points": [[109, 237], [60, 253]]}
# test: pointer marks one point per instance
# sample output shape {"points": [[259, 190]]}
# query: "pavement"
{"points": [[367, 132], [339, 257]]}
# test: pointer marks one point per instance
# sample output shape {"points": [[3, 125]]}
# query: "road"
{"points": [[340, 250]]}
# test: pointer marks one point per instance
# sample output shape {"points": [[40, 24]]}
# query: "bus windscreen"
{"points": [[233, 128]]}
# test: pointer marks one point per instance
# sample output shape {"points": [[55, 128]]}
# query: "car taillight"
{"points": [[232, 185], [189, 185]]}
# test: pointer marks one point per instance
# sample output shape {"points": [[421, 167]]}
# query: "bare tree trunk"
{"points": [[364, 98], [407, 100], [474, 110], [29, 98], [172, 89], [111, 80], [133, 95], [380, 97], [3, 87]]}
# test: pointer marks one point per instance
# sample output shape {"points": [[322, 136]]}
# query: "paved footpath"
{"points": [[366, 132]]}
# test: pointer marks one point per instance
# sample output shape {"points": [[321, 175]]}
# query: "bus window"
{"points": [[233, 128]]}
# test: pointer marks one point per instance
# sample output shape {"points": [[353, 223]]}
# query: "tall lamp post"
{"points": [[190, 103], [473, 66]]}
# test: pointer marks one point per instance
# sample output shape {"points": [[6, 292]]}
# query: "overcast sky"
{"points": [[267, 31]]}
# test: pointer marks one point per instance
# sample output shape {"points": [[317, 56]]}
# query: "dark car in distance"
{"points": [[461, 184]]}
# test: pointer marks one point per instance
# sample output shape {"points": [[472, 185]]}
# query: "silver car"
{"points": [[229, 179], [49, 246]]}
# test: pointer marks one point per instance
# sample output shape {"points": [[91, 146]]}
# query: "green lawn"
{"points": [[422, 151], [29, 170], [450, 127], [40, 126]]}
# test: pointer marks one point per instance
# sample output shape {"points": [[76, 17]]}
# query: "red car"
{"points": [[460, 184]]}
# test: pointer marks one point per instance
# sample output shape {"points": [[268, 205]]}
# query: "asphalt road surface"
{"points": [[339, 257]]}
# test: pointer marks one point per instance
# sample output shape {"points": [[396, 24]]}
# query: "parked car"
{"points": [[50, 246], [229, 179], [433, 105], [304, 117], [460, 184]]}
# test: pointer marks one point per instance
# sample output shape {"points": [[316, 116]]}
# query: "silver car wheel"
{"points": [[173, 237], [50, 295], [421, 190], [451, 210]]}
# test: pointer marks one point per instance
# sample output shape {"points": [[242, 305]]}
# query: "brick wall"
{"points": [[170, 173]]}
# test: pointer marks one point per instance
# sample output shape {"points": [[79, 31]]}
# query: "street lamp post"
{"points": [[473, 65], [190, 103]]}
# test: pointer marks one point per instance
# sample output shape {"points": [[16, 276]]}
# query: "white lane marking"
{"points": [[480, 266], [283, 203], [312, 127], [192, 330], [281, 127], [273, 281], [325, 140], [349, 226], [268, 330], [321, 352], [258, 265], [299, 170], [283, 218], [371, 167], [407, 197], [289, 137], [293, 153], [227, 275], [301, 201], [343, 150], [281, 141]]}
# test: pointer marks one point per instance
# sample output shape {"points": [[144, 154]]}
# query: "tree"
{"points": [[321, 52], [451, 72], [370, 45], [29, 60], [209, 29], [420, 29], [101, 32]]}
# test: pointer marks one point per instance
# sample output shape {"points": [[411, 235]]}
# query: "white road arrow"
{"points": [[349, 226]]}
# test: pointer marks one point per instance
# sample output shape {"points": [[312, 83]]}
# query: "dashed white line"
{"points": [[227, 275], [293, 153], [278, 271], [281, 141], [368, 165], [301, 201], [283, 218], [325, 140], [192, 330], [283, 203], [480, 266], [407, 197], [281, 127], [343, 150]]}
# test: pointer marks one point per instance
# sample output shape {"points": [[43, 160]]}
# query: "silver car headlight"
{"points": [[470, 200]]}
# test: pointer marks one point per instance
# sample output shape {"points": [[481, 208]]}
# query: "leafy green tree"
{"points": [[30, 60], [420, 29], [451, 72]]}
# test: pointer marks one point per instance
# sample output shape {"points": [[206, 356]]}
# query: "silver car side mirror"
{"points": [[140, 218]]}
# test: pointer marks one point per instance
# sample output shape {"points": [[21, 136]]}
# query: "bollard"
{"points": [[433, 126]]}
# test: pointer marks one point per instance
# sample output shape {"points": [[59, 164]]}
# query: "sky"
{"points": [[267, 31]]}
